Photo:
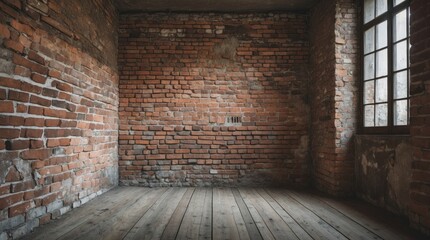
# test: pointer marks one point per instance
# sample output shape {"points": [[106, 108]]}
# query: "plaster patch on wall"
{"points": [[227, 48], [399, 175]]}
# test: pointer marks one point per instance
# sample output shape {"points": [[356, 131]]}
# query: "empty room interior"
{"points": [[214, 119]]}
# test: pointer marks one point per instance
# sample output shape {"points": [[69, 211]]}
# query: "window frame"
{"points": [[389, 17]]}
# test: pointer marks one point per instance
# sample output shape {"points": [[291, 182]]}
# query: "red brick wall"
{"points": [[420, 118], [181, 75], [333, 93], [58, 109]]}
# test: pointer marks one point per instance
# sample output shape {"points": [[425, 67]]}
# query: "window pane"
{"points": [[401, 85], [381, 35], [369, 92], [369, 66], [381, 63], [381, 90], [400, 55], [369, 10], [381, 115], [400, 26], [381, 7], [369, 116], [369, 40], [397, 2], [401, 112]]}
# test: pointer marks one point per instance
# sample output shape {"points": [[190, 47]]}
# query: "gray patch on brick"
{"points": [[58, 151], [76, 204], [54, 206], [3, 236], [36, 212], [12, 222], [26, 228]]}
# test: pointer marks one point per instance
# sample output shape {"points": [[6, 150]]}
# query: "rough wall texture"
{"points": [[58, 108], [383, 171], [183, 75], [333, 91], [420, 115]]}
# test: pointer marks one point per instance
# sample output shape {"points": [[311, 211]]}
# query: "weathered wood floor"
{"points": [[221, 213]]}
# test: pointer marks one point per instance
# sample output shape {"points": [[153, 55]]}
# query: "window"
{"points": [[385, 85]]}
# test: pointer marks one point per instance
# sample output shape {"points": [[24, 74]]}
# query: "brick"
{"points": [[9, 133], [7, 107], [13, 175], [32, 55], [38, 78], [4, 31], [20, 27], [14, 45], [35, 154], [9, 200], [40, 101], [20, 144], [2, 94], [35, 67], [18, 96]]}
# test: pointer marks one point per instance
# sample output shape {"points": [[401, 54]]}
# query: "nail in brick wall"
{"points": [[183, 75], [58, 109]]}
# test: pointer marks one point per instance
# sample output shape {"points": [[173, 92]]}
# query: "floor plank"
{"points": [[252, 229], [175, 221], [343, 224], [152, 224], [197, 222], [79, 216], [370, 218], [227, 220], [291, 222], [311, 223], [221, 213]]}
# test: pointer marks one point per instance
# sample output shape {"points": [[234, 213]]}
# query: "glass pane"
{"points": [[400, 26], [381, 7], [401, 112], [381, 90], [369, 116], [369, 40], [381, 63], [400, 55], [381, 35], [397, 2], [381, 115], [369, 66], [401, 85], [369, 10], [369, 92]]}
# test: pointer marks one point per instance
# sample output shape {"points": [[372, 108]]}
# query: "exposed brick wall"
{"points": [[181, 75], [333, 94], [58, 109], [420, 118]]}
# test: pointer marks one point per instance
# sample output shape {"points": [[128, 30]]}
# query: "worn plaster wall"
{"points": [[383, 171], [58, 108], [213, 99]]}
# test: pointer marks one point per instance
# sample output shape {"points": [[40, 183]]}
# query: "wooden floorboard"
{"points": [[221, 213]]}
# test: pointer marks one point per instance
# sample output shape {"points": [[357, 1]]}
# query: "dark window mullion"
{"points": [[390, 79]]}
